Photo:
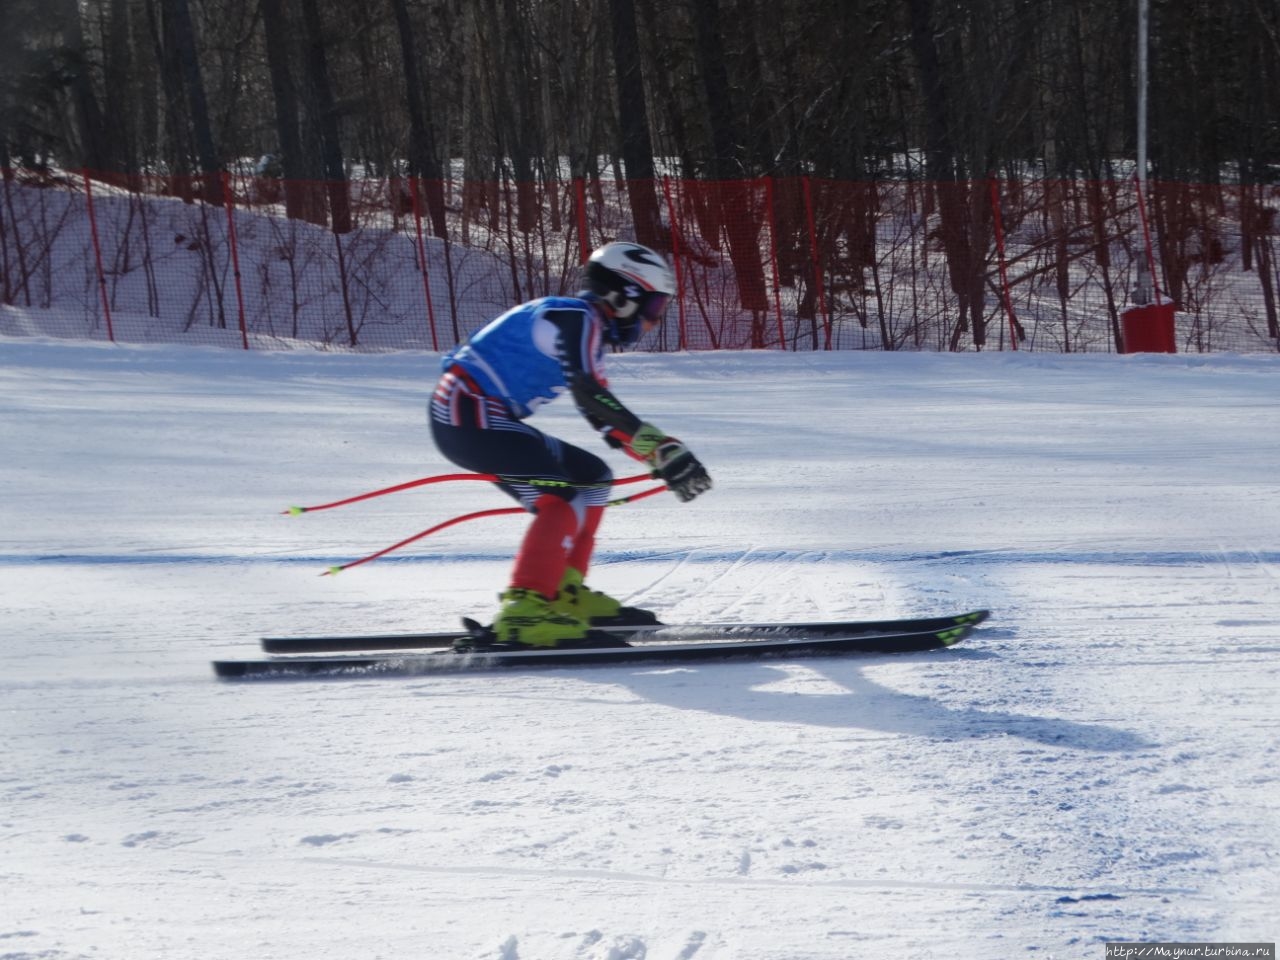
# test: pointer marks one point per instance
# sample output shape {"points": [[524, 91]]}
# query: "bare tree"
{"points": [[324, 113], [181, 34], [633, 123], [293, 165], [93, 149], [424, 162]]}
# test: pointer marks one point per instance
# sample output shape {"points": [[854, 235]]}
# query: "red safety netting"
{"points": [[772, 263]]}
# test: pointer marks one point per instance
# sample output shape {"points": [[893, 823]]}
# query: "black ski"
{"points": [[451, 662], [689, 631]]}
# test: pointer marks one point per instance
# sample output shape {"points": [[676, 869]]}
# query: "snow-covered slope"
{"points": [[1098, 763]]}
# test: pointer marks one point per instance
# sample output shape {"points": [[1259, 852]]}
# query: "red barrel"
{"points": [[1149, 329]]}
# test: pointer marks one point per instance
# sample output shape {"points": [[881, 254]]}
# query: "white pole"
{"points": [[1142, 289]]}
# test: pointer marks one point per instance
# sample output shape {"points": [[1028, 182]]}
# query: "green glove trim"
{"points": [[645, 440]]}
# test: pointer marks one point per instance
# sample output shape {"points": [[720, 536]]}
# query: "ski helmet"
{"points": [[634, 283]]}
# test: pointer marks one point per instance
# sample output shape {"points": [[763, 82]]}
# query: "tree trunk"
{"points": [[182, 35], [292, 166], [633, 123], [325, 112], [733, 195], [954, 208], [175, 136], [117, 65], [515, 113], [89, 121], [423, 159]]}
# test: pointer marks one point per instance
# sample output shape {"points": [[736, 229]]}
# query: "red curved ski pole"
{"points": [[445, 478], [472, 516], [425, 533]]}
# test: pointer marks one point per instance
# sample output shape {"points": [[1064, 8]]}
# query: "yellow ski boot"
{"points": [[529, 619], [594, 608]]}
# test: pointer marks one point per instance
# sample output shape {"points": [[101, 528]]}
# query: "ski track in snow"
{"points": [[1097, 763]]}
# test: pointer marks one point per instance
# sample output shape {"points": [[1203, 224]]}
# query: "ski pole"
{"points": [[446, 477], [332, 571]]}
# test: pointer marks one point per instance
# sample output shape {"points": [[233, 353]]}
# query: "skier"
{"points": [[527, 357]]}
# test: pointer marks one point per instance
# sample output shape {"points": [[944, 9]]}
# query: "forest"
{"points": [[871, 158], [700, 89]]}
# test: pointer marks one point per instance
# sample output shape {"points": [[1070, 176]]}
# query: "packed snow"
{"points": [[1099, 762]]}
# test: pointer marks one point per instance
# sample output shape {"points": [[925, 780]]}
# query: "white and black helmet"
{"points": [[634, 283]]}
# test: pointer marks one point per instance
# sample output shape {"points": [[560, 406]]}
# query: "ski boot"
{"points": [[597, 609], [528, 619]]}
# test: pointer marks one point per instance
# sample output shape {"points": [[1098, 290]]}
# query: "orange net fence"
{"points": [[774, 263]]}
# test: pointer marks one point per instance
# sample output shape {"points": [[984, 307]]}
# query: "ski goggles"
{"points": [[653, 307]]}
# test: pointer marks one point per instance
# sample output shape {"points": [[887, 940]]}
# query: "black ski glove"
{"points": [[679, 469]]}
